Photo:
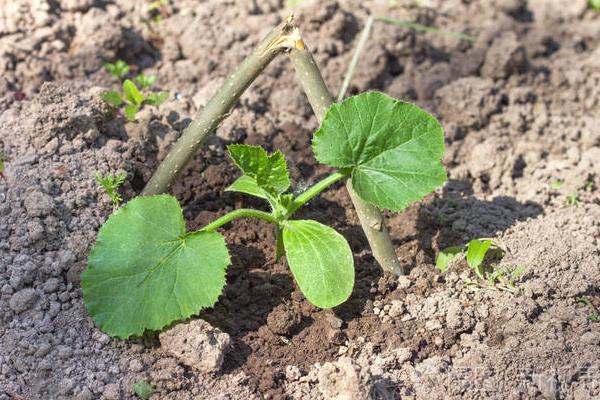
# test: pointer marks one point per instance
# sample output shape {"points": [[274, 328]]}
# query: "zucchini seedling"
{"points": [[146, 271]]}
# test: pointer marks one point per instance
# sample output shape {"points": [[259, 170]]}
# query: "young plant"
{"points": [[111, 183], [573, 199], [143, 389], [3, 158], [144, 81], [146, 271], [119, 69], [593, 315], [475, 253], [133, 98], [594, 5]]}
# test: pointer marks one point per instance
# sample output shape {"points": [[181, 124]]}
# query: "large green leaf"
{"points": [[393, 148], [268, 171], [321, 261], [145, 271]]}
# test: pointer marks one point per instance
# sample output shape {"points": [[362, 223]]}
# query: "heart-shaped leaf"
{"points": [[269, 172], [145, 271], [393, 148], [321, 261]]}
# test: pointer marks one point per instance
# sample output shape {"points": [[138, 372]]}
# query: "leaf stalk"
{"points": [[239, 213]]}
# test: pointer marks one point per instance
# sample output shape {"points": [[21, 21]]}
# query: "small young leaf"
{"points": [[112, 98], [446, 256], [143, 389], [131, 111], [595, 5], [248, 185], [156, 99], [269, 171], [144, 81], [145, 271], [118, 69], [321, 261], [517, 272], [393, 148], [132, 93], [109, 67], [476, 251], [161, 97]]}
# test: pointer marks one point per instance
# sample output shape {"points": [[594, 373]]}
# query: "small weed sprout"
{"points": [[482, 256], [143, 389], [111, 183], [593, 315], [573, 199], [144, 81], [555, 185], [3, 158], [119, 69], [133, 98]]}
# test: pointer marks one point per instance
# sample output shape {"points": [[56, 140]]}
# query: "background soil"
{"points": [[520, 109]]}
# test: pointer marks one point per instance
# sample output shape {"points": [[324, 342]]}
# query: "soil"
{"points": [[520, 110]]}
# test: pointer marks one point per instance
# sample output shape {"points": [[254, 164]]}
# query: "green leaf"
{"points": [[595, 5], [517, 272], [269, 171], [393, 148], [112, 98], [118, 69], [132, 93], [321, 261], [446, 257], [156, 99], [131, 111], [248, 185], [161, 97], [145, 81], [143, 389], [145, 271], [476, 251]]}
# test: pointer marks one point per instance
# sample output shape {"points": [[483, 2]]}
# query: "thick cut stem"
{"points": [[372, 221], [240, 213], [370, 216], [207, 119]]}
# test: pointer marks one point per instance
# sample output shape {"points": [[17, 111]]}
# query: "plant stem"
{"points": [[207, 119], [240, 213], [364, 36], [370, 217], [314, 190]]}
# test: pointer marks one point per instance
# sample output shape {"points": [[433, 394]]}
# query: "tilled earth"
{"points": [[520, 109]]}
